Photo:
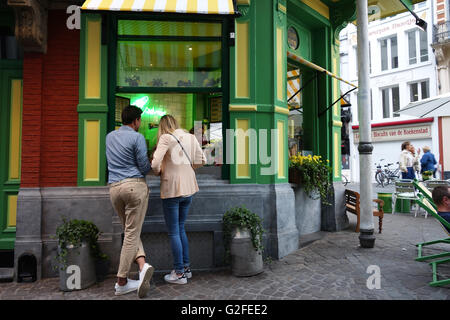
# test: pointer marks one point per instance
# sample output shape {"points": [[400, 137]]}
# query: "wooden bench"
{"points": [[352, 205]]}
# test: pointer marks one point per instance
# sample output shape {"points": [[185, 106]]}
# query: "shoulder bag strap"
{"points": [[182, 148]]}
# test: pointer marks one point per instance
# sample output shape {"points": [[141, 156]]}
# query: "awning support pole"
{"points": [[365, 147], [328, 108], [304, 86]]}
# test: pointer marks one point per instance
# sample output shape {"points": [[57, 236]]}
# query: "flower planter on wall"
{"points": [[294, 176], [307, 211]]}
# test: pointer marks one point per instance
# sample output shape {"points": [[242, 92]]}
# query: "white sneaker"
{"points": [[187, 272], [144, 280], [174, 278], [131, 286]]}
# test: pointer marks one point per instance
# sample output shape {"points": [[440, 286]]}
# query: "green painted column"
{"points": [[258, 94], [92, 107]]}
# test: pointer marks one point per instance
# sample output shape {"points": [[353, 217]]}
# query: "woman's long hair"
{"points": [[167, 124]]}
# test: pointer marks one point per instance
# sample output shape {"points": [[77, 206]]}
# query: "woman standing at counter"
{"points": [[176, 156]]}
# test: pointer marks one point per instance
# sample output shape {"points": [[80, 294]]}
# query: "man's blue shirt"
{"points": [[126, 153]]}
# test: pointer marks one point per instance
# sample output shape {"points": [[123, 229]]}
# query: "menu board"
{"points": [[216, 109], [121, 103]]}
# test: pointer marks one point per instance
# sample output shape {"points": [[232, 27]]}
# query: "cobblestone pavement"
{"points": [[333, 267]]}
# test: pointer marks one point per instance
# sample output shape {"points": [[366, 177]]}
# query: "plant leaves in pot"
{"points": [[242, 232], [77, 252]]}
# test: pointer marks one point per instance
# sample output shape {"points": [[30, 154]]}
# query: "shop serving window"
{"points": [[160, 54], [172, 67]]}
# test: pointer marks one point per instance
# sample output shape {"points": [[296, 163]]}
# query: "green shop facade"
{"points": [[217, 71]]}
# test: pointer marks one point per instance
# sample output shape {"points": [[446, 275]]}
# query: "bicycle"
{"points": [[344, 179], [386, 176], [392, 174], [380, 177]]}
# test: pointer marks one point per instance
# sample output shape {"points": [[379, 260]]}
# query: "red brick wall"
{"points": [[31, 119], [53, 87], [440, 9]]}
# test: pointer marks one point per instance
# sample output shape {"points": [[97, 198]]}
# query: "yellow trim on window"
{"points": [[243, 107], [92, 152], [281, 156], [280, 58], [281, 110], [336, 161], [93, 59], [12, 211], [242, 149], [337, 123], [15, 131], [242, 60]]}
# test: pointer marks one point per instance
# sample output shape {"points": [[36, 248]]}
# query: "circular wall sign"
{"points": [[292, 38]]}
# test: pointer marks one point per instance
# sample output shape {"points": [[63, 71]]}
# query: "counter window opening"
{"points": [[172, 67]]}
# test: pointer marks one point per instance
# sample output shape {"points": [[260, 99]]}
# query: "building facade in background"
{"points": [[403, 69], [441, 47]]}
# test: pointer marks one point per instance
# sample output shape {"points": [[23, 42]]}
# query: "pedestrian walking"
{"points": [[176, 156], [409, 161], [428, 161], [126, 154]]}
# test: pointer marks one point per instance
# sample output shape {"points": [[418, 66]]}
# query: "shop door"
{"points": [[10, 148]]}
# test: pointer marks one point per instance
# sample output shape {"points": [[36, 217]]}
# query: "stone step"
{"points": [[6, 274]]}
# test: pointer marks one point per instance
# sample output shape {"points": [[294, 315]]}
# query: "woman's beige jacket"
{"points": [[177, 175]]}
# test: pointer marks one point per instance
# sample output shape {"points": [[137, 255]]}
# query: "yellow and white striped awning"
{"points": [[168, 6], [293, 82]]}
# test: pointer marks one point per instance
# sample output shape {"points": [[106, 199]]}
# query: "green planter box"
{"points": [[401, 205], [387, 198]]}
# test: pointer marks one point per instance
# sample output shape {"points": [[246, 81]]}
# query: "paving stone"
{"points": [[333, 267]]}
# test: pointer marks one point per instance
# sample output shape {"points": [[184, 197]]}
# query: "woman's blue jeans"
{"points": [[410, 174], [175, 213]]}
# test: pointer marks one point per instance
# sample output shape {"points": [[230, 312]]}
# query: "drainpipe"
{"points": [[365, 147]]}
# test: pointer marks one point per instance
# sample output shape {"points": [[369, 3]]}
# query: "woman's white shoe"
{"points": [[174, 278]]}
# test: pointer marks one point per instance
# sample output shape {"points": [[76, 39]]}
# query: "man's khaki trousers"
{"points": [[129, 198]]}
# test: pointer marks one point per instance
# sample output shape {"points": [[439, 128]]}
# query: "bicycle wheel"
{"points": [[380, 178], [344, 180]]}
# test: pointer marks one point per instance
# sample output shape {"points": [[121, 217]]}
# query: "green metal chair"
{"points": [[404, 190], [426, 192], [430, 208]]}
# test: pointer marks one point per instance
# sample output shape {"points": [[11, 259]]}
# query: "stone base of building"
{"points": [[41, 211]]}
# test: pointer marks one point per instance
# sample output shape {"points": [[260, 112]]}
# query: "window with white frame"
{"points": [[390, 98], [420, 5], [389, 53], [419, 90], [417, 46]]}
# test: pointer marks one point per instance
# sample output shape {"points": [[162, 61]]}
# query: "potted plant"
{"points": [[79, 250], [313, 174], [242, 232], [426, 175]]}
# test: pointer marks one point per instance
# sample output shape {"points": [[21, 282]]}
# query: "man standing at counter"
{"points": [[126, 153]]}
